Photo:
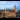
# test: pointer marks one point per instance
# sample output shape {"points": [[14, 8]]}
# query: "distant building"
{"points": [[9, 13]]}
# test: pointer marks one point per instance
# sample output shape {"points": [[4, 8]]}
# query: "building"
{"points": [[10, 13]]}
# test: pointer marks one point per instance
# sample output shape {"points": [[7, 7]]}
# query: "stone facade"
{"points": [[9, 14]]}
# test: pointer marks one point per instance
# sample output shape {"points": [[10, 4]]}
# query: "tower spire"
{"points": [[5, 9], [14, 7]]}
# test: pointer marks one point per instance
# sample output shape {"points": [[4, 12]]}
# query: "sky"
{"points": [[9, 5]]}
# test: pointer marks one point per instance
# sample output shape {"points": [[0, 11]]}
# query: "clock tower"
{"points": [[15, 8]]}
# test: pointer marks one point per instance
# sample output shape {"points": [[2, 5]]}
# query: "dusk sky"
{"points": [[9, 4]]}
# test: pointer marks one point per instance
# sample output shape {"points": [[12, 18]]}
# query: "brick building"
{"points": [[9, 13]]}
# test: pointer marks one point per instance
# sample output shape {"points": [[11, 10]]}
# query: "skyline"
{"points": [[9, 4]]}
